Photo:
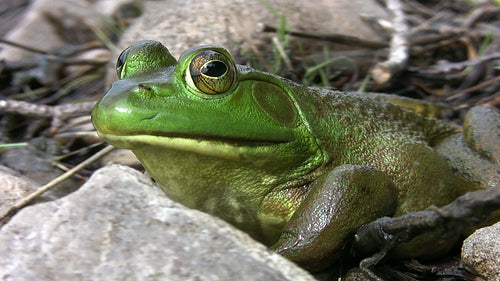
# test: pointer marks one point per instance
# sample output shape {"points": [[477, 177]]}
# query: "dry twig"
{"points": [[334, 37], [384, 71], [59, 113]]}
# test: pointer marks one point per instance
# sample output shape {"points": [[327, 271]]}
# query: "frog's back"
{"points": [[354, 129], [370, 116]]}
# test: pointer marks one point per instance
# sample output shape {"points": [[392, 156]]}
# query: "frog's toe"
{"points": [[482, 131]]}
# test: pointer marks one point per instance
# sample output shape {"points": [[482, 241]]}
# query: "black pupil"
{"points": [[122, 58], [120, 62], [214, 68]]}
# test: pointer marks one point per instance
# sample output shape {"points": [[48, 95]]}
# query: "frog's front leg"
{"points": [[338, 203]]}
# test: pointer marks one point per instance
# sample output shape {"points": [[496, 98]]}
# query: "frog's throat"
{"points": [[228, 149]]}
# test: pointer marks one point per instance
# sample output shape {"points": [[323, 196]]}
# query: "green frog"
{"points": [[298, 168]]}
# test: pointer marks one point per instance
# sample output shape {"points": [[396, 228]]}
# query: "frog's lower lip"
{"points": [[165, 136], [230, 148], [230, 140]]}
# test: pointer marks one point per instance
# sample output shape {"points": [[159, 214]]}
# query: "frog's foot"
{"points": [[338, 203], [475, 154]]}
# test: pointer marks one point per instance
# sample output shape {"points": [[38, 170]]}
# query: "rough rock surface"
{"points": [[235, 24], [13, 187], [119, 226], [181, 24], [481, 252]]}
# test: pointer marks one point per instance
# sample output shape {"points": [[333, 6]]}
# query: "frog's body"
{"points": [[298, 168]]}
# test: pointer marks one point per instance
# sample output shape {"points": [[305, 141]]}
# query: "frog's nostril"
{"points": [[150, 117], [144, 86]]}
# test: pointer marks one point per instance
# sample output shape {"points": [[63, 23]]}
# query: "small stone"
{"points": [[13, 187], [355, 274], [120, 156], [481, 252]]}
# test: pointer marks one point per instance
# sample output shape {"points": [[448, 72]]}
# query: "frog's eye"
{"points": [[120, 62], [212, 72], [143, 57]]}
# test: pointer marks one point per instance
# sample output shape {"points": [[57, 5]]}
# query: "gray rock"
{"points": [[13, 187], [119, 226], [181, 24], [235, 24], [481, 252]]}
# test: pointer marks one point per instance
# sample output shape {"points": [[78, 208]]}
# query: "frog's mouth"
{"points": [[229, 148], [234, 141]]}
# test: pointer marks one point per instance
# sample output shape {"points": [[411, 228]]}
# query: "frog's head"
{"points": [[206, 105]]}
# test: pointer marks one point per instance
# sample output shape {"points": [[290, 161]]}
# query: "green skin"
{"points": [[298, 168]]}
